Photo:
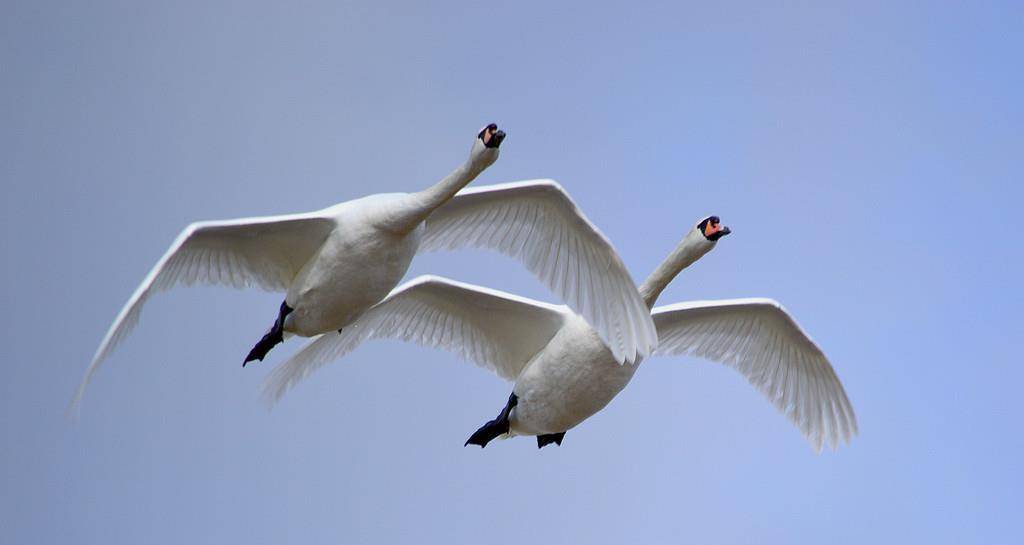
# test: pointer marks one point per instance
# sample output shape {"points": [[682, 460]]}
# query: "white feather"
{"points": [[263, 252], [495, 330], [758, 338], [536, 221]]}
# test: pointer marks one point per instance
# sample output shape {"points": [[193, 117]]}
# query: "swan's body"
{"points": [[358, 264], [571, 379], [337, 263], [563, 371]]}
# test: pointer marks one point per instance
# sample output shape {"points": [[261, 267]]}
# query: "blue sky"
{"points": [[866, 155]]}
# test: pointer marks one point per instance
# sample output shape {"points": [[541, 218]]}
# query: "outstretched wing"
{"points": [[758, 338], [264, 252], [536, 221], [495, 330]]}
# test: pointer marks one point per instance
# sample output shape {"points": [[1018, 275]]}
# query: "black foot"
{"points": [[545, 440], [494, 428], [274, 337]]}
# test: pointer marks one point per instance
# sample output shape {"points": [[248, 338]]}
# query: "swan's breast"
{"points": [[574, 377], [358, 265]]}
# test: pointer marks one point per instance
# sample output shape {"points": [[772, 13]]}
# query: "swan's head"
{"points": [[490, 136], [485, 148], [711, 228]]}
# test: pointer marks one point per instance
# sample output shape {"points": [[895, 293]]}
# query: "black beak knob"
{"points": [[496, 140]]}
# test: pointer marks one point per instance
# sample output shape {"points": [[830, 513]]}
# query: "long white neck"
{"points": [[690, 249], [441, 192], [422, 203]]}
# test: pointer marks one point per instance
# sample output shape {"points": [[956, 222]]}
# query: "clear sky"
{"points": [[866, 155]]}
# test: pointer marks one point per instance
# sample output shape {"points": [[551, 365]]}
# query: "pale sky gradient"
{"points": [[868, 158]]}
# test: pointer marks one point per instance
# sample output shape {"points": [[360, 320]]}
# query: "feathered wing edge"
{"points": [[495, 330], [223, 252], [537, 223], [758, 338]]}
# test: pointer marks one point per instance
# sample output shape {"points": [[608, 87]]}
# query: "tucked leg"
{"points": [[544, 440], [272, 338], [494, 428]]}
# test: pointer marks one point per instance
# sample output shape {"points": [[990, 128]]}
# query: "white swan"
{"points": [[562, 371], [336, 263]]}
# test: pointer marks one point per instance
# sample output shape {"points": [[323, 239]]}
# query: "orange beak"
{"points": [[711, 228]]}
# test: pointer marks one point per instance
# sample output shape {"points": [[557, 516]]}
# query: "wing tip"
{"points": [[270, 396], [835, 438], [73, 411], [277, 383]]}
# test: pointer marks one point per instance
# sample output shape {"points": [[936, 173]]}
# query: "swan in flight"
{"points": [[337, 263], [564, 373]]}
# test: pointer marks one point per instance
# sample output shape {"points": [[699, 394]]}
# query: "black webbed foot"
{"points": [[273, 337], [545, 440], [497, 427]]}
